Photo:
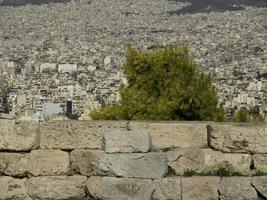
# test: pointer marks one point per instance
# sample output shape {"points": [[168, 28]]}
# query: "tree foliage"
{"points": [[163, 84], [244, 115]]}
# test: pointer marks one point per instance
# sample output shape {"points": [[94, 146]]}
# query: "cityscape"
{"points": [[63, 60]]}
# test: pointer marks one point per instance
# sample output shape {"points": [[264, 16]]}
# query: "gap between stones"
{"points": [[260, 195]]}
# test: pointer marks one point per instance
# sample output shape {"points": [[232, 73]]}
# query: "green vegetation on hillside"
{"points": [[243, 115], [163, 84]]}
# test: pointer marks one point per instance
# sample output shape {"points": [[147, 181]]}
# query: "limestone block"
{"points": [[136, 165], [57, 187], [200, 188], [260, 185], [127, 141], [13, 164], [86, 162], [18, 137], [167, 188], [235, 162], [260, 162], [11, 188], [206, 160], [181, 160], [237, 188], [245, 138], [77, 135], [111, 188], [169, 135], [48, 162]]}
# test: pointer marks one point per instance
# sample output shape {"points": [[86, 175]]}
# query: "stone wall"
{"points": [[121, 160]]}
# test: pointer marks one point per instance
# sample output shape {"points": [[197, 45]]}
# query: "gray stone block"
{"points": [[77, 135], [13, 164], [238, 188], [170, 135], [167, 188], [111, 188], [235, 162], [48, 163], [18, 137], [57, 187], [86, 162], [238, 138], [260, 185], [136, 165], [186, 159], [127, 142], [13, 189], [200, 188], [260, 162]]}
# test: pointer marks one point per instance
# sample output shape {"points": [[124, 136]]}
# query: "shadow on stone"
{"points": [[197, 6]]}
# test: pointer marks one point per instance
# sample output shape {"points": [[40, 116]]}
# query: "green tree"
{"points": [[163, 84], [243, 115]]}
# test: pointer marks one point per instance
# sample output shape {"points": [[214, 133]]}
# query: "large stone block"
{"points": [[200, 188], [169, 135], [186, 159], [12, 189], [244, 138], [57, 187], [111, 188], [35, 163], [48, 162], [207, 161], [260, 185], [215, 160], [237, 188], [13, 164], [18, 136], [260, 162], [86, 162], [136, 165], [77, 135], [167, 188], [127, 142]]}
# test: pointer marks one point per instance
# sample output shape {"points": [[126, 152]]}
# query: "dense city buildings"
{"points": [[62, 59]]}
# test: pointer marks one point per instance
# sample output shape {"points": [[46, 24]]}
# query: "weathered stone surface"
{"points": [[238, 137], [18, 137], [57, 187], [127, 141], [206, 160], [48, 162], [12, 189], [184, 159], [237, 188], [173, 135], [86, 162], [110, 188], [260, 185], [13, 164], [200, 188], [236, 162], [136, 165], [77, 135], [167, 188], [260, 162]]}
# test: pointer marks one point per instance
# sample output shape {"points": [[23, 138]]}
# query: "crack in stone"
{"points": [[181, 185], [260, 195]]}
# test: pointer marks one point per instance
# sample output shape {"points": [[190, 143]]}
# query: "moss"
{"points": [[259, 171], [223, 169]]}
